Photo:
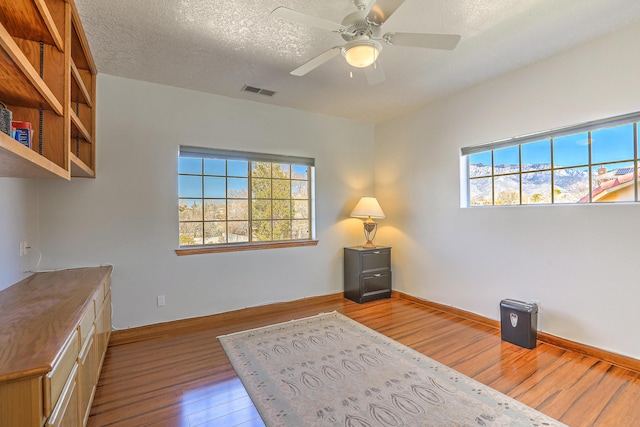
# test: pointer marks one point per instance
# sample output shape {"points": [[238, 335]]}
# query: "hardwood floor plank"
{"points": [[234, 418], [590, 395], [221, 410], [179, 375], [623, 407]]}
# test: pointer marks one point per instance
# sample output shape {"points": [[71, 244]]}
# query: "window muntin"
{"points": [[591, 163], [249, 198]]}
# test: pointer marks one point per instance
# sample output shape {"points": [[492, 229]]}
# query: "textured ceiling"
{"points": [[218, 46]]}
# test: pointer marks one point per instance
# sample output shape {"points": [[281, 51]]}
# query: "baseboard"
{"points": [[166, 329], [606, 356], [196, 324]]}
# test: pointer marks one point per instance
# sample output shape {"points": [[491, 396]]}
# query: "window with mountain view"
{"points": [[591, 163], [228, 197]]}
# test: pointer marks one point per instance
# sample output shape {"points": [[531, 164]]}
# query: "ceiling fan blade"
{"points": [[308, 20], [382, 10], [375, 73], [316, 62], [431, 41]]}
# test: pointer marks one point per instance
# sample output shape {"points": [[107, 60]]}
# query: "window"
{"points": [[230, 197], [591, 163]]}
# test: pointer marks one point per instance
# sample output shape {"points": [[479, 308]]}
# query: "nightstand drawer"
{"points": [[376, 283], [376, 260]]}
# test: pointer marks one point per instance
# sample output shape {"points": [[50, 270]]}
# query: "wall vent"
{"points": [[259, 91]]}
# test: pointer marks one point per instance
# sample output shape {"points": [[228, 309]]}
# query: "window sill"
{"points": [[246, 247]]}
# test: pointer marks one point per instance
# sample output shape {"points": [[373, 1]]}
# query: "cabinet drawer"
{"points": [[376, 283], [65, 414], [376, 260], [87, 323], [55, 380]]}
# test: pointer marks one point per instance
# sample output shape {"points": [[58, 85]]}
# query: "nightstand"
{"points": [[367, 273]]}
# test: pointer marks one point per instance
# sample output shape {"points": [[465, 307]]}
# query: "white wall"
{"points": [[578, 261], [18, 223], [127, 216]]}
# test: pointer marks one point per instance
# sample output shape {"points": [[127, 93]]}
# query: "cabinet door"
{"points": [[107, 318], [87, 376], [103, 326]]}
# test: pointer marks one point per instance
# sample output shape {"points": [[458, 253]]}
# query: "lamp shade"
{"points": [[368, 207]]}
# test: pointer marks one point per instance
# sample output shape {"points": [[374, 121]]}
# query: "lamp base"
{"points": [[370, 230]]}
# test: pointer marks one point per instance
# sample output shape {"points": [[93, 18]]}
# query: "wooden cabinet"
{"points": [[53, 342], [367, 273], [48, 79]]}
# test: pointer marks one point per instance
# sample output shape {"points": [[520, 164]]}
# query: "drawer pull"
{"points": [[376, 252], [377, 275]]}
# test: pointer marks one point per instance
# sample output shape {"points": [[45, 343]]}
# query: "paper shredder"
{"points": [[519, 322]]}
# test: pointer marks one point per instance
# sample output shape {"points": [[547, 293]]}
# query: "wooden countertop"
{"points": [[38, 314]]}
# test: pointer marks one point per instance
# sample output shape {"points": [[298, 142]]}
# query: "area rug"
{"points": [[329, 370]]}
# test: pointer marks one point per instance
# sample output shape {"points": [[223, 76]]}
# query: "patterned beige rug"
{"points": [[329, 370]]}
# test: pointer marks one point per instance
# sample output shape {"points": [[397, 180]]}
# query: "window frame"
{"points": [[550, 136], [251, 158]]}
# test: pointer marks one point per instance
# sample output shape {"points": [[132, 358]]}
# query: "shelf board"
{"points": [[79, 90], [77, 124], [21, 84], [79, 169], [19, 161], [31, 20]]}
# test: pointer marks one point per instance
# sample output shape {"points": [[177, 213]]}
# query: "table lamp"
{"points": [[369, 208]]}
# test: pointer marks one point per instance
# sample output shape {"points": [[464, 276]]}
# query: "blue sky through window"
{"points": [[537, 153], [612, 144], [572, 150]]}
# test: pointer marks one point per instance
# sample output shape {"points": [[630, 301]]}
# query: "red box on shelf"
{"points": [[21, 132]]}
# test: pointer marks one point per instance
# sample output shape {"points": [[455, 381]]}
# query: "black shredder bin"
{"points": [[519, 322]]}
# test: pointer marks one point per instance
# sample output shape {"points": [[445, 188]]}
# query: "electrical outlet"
{"points": [[161, 301], [24, 248]]}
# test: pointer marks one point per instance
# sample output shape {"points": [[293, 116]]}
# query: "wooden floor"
{"points": [[183, 378]]}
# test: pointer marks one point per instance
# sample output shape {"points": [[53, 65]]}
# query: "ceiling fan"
{"points": [[361, 31]]}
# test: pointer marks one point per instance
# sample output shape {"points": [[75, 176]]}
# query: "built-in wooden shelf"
{"points": [[49, 80]]}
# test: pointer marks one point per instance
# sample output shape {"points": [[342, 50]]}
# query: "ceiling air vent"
{"points": [[259, 91]]}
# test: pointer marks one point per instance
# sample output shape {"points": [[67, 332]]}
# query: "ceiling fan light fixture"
{"points": [[361, 54]]}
